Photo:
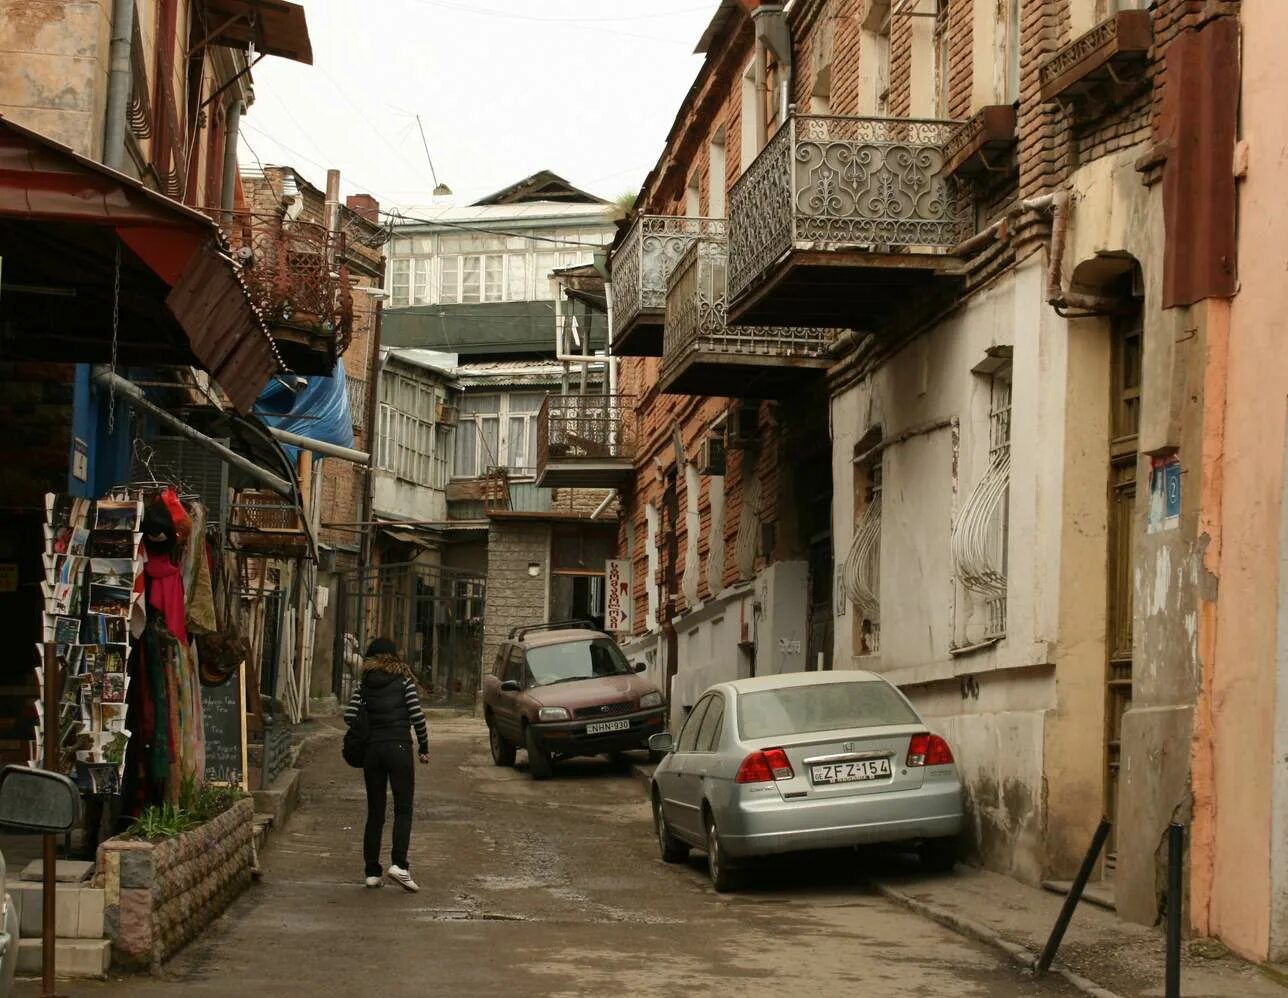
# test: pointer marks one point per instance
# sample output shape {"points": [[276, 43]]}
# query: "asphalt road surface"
{"points": [[550, 889]]}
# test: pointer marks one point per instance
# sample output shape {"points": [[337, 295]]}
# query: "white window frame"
{"points": [[405, 429], [471, 422]]}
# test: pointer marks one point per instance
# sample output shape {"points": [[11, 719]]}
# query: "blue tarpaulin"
{"points": [[319, 410]]}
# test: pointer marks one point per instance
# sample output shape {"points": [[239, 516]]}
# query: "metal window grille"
{"points": [[357, 388], [863, 563], [980, 536]]}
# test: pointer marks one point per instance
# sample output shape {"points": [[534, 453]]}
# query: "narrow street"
{"points": [[549, 889]]}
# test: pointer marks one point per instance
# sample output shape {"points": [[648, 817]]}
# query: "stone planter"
{"points": [[160, 895]]}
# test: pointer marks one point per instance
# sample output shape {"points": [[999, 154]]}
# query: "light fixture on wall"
{"points": [[534, 569]]}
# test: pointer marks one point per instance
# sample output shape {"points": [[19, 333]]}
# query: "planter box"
{"points": [[160, 895]]}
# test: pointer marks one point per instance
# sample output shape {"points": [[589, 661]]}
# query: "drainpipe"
{"points": [[612, 360], [320, 446], [232, 126], [106, 380], [118, 84], [599, 510]]}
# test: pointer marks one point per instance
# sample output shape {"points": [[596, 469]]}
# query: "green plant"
{"points": [[161, 821], [197, 803]]}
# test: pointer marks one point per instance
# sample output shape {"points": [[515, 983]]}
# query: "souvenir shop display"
{"points": [[92, 611]]}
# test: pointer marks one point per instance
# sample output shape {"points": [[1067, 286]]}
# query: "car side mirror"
{"points": [[641, 667], [662, 742], [511, 686], [37, 802]]}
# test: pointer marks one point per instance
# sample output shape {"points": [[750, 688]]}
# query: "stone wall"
{"points": [[160, 895], [514, 597]]}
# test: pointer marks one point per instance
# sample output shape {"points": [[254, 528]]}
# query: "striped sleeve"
{"points": [[355, 701], [417, 716]]}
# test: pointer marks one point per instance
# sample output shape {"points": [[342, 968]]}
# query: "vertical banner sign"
{"points": [[617, 595]]}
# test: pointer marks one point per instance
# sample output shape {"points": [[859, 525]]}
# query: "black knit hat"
{"points": [[381, 646]]}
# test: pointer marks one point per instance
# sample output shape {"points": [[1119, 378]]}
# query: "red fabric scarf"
{"points": [[165, 593]]}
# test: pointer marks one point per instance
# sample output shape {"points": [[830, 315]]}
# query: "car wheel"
{"points": [[672, 849], [939, 855], [539, 764], [502, 748], [723, 877], [620, 760]]}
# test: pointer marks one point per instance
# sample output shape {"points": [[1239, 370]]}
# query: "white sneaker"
{"points": [[402, 878], [375, 882]]}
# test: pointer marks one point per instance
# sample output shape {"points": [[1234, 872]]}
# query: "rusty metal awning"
{"points": [[63, 221], [274, 27]]}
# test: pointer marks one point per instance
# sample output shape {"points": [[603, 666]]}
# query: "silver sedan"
{"points": [[813, 760]]}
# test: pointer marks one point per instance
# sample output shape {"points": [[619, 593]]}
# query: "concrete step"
{"points": [[1097, 892], [280, 800], [79, 912], [83, 958]]}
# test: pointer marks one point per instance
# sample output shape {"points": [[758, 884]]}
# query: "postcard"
{"points": [[111, 600], [112, 572], [117, 515], [113, 717], [66, 630], [114, 659], [115, 543], [114, 685]]}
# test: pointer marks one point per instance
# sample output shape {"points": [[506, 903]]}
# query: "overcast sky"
{"points": [[587, 88]]}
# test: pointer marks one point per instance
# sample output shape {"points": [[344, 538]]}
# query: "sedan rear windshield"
{"points": [[798, 710], [562, 663]]}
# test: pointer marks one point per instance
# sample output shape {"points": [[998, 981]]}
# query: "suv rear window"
{"points": [[803, 709], [562, 663]]}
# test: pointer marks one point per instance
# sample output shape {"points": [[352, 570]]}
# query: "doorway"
{"points": [[1124, 427]]}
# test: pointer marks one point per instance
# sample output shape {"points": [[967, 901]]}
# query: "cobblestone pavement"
{"points": [[550, 889]]}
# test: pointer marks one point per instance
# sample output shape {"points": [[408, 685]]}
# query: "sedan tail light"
{"points": [[765, 767], [929, 750]]}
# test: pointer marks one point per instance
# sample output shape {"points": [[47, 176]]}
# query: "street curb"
{"points": [[983, 934], [645, 775]]}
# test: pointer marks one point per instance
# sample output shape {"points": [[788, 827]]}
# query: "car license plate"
{"points": [[851, 772], [599, 727]]}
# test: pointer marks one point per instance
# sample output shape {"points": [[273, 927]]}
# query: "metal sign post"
{"points": [[49, 896]]}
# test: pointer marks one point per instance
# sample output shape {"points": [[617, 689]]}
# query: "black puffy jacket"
{"points": [[385, 695]]}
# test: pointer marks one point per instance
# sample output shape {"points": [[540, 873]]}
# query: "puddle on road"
{"points": [[464, 915]]}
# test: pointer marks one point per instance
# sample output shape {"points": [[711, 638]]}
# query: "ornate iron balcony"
{"points": [[641, 266], [703, 354], [826, 183], [296, 275], [586, 441]]}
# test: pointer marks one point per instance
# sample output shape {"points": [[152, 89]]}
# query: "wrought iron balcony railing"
{"points": [[295, 272], [695, 317], [841, 183], [586, 440], [644, 261]]}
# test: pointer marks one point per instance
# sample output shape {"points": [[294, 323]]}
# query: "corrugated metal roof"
{"points": [[420, 215], [509, 372]]}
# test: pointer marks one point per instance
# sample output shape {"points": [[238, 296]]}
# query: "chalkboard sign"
{"points": [[223, 718]]}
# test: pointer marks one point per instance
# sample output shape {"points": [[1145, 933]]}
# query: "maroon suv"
{"points": [[565, 689]]}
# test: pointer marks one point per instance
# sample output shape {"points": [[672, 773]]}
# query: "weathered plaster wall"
{"points": [[53, 69], [1248, 906], [1025, 715]]}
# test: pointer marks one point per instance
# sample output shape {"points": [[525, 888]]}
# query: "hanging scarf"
{"points": [[165, 594]]}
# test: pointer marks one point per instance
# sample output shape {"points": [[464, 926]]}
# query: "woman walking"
{"points": [[388, 690]]}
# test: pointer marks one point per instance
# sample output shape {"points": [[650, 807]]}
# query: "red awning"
{"points": [[65, 199], [274, 27]]}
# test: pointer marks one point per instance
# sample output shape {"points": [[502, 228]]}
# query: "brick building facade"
{"points": [[1021, 212]]}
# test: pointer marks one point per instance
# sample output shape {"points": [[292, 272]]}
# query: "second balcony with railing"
{"points": [[641, 265], [586, 441], [296, 275], [844, 221], [703, 354]]}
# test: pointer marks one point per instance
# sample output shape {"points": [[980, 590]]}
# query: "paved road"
{"points": [[551, 889]]}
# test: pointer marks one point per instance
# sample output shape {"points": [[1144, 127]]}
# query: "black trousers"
{"points": [[388, 764]]}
